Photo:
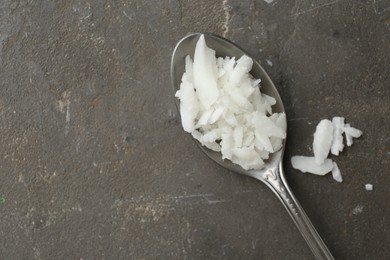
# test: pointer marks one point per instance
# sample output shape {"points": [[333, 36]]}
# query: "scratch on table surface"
{"points": [[228, 17], [127, 16], [145, 209], [206, 196], [202, 195], [84, 11], [64, 107], [23, 182], [294, 31], [298, 119], [315, 8], [383, 9], [254, 243], [37, 253]]}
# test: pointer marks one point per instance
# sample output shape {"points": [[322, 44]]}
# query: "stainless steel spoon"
{"points": [[272, 175]]}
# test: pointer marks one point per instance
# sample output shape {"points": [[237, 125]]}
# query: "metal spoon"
{"points": [[272, 175]]}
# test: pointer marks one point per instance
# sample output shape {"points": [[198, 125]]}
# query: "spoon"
{"points": [[272, 174]]}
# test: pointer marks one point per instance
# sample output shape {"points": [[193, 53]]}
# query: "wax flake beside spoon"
{"points": [[328, 137], [222, 107]]}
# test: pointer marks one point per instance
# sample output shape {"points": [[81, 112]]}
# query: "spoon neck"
{"points": [[275, 179]]}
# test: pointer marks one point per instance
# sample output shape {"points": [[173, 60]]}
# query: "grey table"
{"points": [[94, 163]]}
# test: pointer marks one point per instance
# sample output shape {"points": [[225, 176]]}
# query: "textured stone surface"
{"points": [[94, 163]]}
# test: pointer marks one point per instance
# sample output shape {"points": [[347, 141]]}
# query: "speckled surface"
{"points": [[94, 163]]}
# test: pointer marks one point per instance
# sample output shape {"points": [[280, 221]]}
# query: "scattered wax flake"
{"points": [[336, 174], [308, 164], [369, 187], [323, 137]]}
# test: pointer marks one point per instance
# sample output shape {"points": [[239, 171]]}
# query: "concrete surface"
{"points": [[94, 163]]}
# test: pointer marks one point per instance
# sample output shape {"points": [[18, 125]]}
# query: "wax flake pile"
{"points": [[222, 106]]}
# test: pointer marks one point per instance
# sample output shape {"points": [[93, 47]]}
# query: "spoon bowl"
{"points": [[223, 48], [272, 174]]}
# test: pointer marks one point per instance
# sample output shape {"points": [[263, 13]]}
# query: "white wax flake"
{"points": [[336, 174], [350, 133], [323, 137], [309, 164], [338, 130], [369, 187], [205, 74]]}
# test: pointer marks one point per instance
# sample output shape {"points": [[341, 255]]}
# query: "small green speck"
{"points": [[2, 200]]}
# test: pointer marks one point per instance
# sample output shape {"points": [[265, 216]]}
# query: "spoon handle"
{"points": [[275, 179]]}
